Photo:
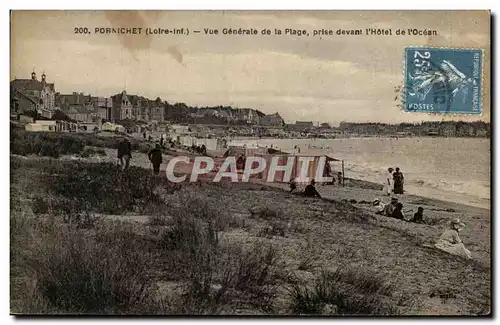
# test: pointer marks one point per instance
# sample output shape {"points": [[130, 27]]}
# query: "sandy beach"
{"points": [[342, 229]]}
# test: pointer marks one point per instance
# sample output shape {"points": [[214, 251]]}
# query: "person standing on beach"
{"points": [[388, 185], [398, 181], [156, 159], [124, 153]]}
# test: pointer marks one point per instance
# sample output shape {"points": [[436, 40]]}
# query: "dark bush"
{"points": [[102, 274], [105, 188], [40, 206], [44, 144], [345, 292]]}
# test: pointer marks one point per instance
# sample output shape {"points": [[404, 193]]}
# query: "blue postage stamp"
{"points": [[442, 80]]}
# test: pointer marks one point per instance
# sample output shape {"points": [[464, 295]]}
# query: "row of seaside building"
{"points": [[41, 96]]}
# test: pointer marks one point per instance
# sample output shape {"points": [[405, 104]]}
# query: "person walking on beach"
{"points": [[156, 159], [450, 241], [124, 153], [310, 190], [388, 185], [398, 181]]}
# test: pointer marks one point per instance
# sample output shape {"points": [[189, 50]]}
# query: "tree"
{"points": [[61, 116]]}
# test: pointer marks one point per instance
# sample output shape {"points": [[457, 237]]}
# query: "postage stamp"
{"points": [[443, 80]]}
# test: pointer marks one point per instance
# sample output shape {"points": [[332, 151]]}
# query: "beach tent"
{"points": [[313, 166], [296, 168], [112, 127], [269, 153], [236, 151]]}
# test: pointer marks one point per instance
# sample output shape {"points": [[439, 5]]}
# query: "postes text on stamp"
{"points": [[442, 80]]}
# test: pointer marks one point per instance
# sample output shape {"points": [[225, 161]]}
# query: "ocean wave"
{"points": [[475, 188]]}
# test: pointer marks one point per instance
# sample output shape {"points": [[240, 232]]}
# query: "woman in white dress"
{"points": [[450, 241], [389, 182]]}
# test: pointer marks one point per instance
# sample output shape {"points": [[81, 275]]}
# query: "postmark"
{"points": [[443, 80]]}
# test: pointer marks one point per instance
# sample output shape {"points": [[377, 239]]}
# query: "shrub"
{"points": [[307, 263], [192, 245], [158, 220], [345, 292], [305, 300], [40, 206], [267, 213], [106, 189], [89, 151], [207, 209], [44, 144], [79, 273]]}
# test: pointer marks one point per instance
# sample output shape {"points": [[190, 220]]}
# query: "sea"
{"points": [[450, 169]]}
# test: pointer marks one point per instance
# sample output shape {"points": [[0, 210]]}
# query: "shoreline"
{"points": [[369, 188], [473, 190], [370, 191], [434, 200]]}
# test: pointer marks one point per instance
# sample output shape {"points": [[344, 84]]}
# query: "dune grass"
{"points": [[218, 265]]}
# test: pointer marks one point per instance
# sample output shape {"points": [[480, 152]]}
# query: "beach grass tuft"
{"points": [[344, 292]]}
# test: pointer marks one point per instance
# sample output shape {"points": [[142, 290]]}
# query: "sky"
{"points": [[308, 78]]}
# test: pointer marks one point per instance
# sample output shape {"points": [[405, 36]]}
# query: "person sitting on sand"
{"points": [[418, 217], [389, 208], [450, 241], [379, 206], [293, 186], [398, 213], [310, 190]]}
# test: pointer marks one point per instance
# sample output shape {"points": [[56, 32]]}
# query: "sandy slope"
{"points": [[336, 233]]}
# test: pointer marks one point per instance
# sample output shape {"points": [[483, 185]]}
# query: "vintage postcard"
{"points": [[325, 163]]}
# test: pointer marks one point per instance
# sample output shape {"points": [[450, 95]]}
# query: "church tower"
{"points": [[33, 75], [43, 79]]}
